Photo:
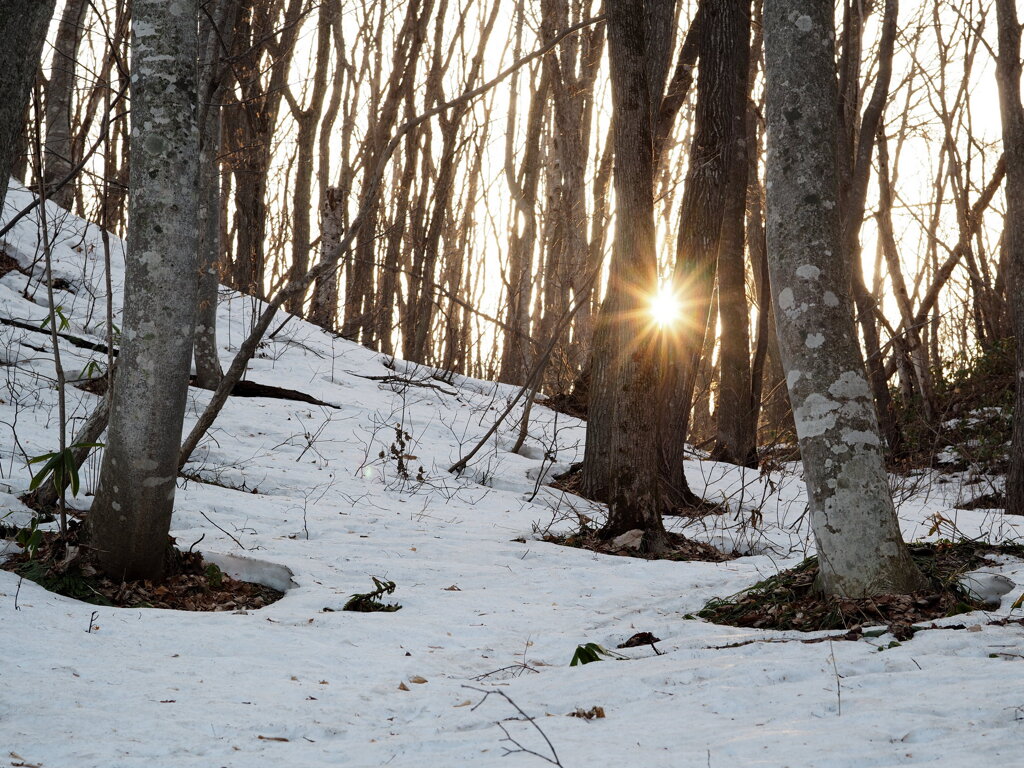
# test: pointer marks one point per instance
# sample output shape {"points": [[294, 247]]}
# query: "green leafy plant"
{"points": [[589, 652], [214, 576], [63, 321], [91, 370], [29, 538], [370, 602], [60, 465]]}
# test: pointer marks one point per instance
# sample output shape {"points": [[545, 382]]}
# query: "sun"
{"points": [[665, 307]]}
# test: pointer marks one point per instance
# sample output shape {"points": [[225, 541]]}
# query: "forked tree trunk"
{"points": [[625, 361], [131, 514], [860, 549]]}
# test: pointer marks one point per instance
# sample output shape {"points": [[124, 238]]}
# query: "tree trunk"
{"points": [[215, 32], [628, 362], [860, 549], [60, 91], [1012, 113], [718, 132], [735, 439], [131, 514], [23, 26]]}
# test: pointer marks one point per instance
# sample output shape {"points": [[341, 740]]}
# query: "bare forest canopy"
{"points": [[449, 167]]}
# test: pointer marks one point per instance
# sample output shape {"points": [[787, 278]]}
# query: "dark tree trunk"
{"points": [[215, 36], [736, 421], [1009, 70], [23, 25], [857, 142], [625, 361], [718, 134]]}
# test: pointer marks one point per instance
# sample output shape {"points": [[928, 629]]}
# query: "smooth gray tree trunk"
{"points": [[23, 25], [131, 514], [860, 548]]}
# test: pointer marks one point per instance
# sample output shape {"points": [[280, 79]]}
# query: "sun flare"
{"points": [[665, 307]]}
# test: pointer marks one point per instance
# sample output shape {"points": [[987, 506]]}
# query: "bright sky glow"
{"points": [[666, 309]]}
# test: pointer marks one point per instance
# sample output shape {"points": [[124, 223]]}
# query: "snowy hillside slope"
{"points": [[301, 492]]}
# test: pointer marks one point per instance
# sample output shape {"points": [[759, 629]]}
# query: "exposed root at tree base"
{"points": [[788, 601], [677, 547], [572, 482], [67, 568]]}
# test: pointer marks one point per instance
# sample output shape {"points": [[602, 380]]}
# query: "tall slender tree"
{"points": [[131, 514], [714, 168], [60, 90], [860, 548], [1012, 112]]}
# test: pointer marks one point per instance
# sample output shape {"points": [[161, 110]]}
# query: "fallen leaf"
{"points": [[465, 703], [417, 679], [452, 588], [403, 687], [272, 738]]}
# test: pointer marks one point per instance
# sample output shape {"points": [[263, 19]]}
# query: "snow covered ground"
{"points": [[486, 605]]}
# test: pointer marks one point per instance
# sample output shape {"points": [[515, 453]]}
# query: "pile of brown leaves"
{"points": [[66, 567], [789, 601], [679, 547]]}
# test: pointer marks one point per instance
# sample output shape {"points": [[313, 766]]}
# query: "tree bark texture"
{"points": [[736, 421], [1012, 113], [630, 370], [131, 514], [718, 133], [58, 158], [860, 548], [23, 25], [216, 31]]}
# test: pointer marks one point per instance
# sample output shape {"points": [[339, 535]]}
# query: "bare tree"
{"points": [[860, 549], [131, 513], [60, 90], [23, 25], [625, 368], [1012, 113], [715, 176], [217, 25]]}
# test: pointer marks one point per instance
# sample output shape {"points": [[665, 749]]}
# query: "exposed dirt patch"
{"points": [[572, 482], [985, 501], [788, 600], [9, 264], [66, 567], [679, 547]]}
